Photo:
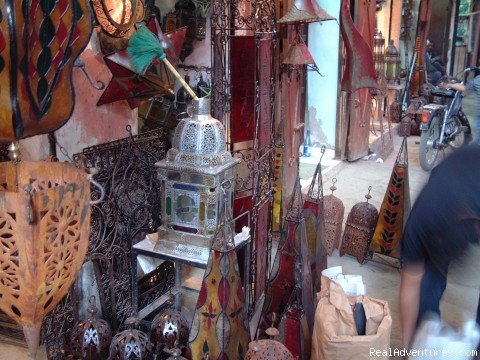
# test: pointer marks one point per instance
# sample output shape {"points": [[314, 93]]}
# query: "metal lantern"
{"points": [[359, 229], [169, 330], [192, 176], [394, 209], [90, 338], [406, 20], [315, 225], [305, 11], [378, 53], [298, 56], [392, 63], [219, 327], [44, 230], [268, 349], [296, 323], [291, 256], [333, 212], [130, 344]]}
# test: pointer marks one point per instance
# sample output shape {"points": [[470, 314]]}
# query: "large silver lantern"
{"points": [[197, 177]]}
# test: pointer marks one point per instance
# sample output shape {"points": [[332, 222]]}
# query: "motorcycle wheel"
{"points": [[428, 154], [462, 138]]}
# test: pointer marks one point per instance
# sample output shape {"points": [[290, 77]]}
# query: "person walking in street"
{"points": [[443, 224], [473, 85]]}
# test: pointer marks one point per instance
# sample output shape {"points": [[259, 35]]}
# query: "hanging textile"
{"points": [[395, 208]]}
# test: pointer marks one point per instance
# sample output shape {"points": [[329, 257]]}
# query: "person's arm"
{"points": [[410, 300], [457, 86]]}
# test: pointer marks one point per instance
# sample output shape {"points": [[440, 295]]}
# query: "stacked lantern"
{"points": [[392, 63], [192, 174]]}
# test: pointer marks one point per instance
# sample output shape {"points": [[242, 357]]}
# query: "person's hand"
{"points": [[443, 85]]}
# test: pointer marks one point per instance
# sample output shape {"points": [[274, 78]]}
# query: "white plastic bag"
{"points": [[436, 340]]}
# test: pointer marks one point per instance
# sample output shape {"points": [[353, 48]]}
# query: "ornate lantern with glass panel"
{"points": [[192, 174], [378, 54], [392, 62]]}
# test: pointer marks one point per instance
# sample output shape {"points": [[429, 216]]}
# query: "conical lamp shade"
{"points": [[305, 11], [298, 54]]}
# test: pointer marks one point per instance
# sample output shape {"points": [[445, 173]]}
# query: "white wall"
{"points": [[323, 44]]}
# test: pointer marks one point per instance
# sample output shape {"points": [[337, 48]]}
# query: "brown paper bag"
{"points": [[335, 334]]}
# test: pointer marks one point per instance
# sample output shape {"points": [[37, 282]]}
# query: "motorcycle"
{"points": [[443, 124]]}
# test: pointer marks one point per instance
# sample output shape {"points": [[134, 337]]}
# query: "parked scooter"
{"points": [[443, 125]]}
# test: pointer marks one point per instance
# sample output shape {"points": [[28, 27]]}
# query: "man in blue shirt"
{"points": [[473, 85]]}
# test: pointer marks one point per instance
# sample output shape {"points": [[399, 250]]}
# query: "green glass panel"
{"points": [[169, 206], [211, 211]]}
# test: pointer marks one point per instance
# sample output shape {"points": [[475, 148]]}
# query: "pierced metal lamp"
{"points": [[298, 56], [44, 230], [305, 11], [392, 63], [192, 175], [90, 338]]}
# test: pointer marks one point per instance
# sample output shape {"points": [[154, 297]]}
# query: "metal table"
{"points": [[146, 247]]}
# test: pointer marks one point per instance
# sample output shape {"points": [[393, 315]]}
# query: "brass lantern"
{"points": [[130, 344], [192, 176], [378, 53], [392, 63], [90, 338]]}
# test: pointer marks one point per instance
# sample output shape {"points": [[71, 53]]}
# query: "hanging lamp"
{"points": [[305, 11]]}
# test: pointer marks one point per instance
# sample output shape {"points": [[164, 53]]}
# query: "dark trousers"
{"points": [[431, 290]]}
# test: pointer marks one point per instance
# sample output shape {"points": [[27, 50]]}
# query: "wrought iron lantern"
{"points": [[333, 212], [392, 63], [378, 53], [315, 225], [298, 56], [90, 338], [169, 331], [192, 176], [268, 349], [130, 344], [359, 229], [44, 223], [304, 12], [406, 20]]}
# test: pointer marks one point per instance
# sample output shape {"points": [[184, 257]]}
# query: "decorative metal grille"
{"points": [[130, 210], [255, 180]]}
